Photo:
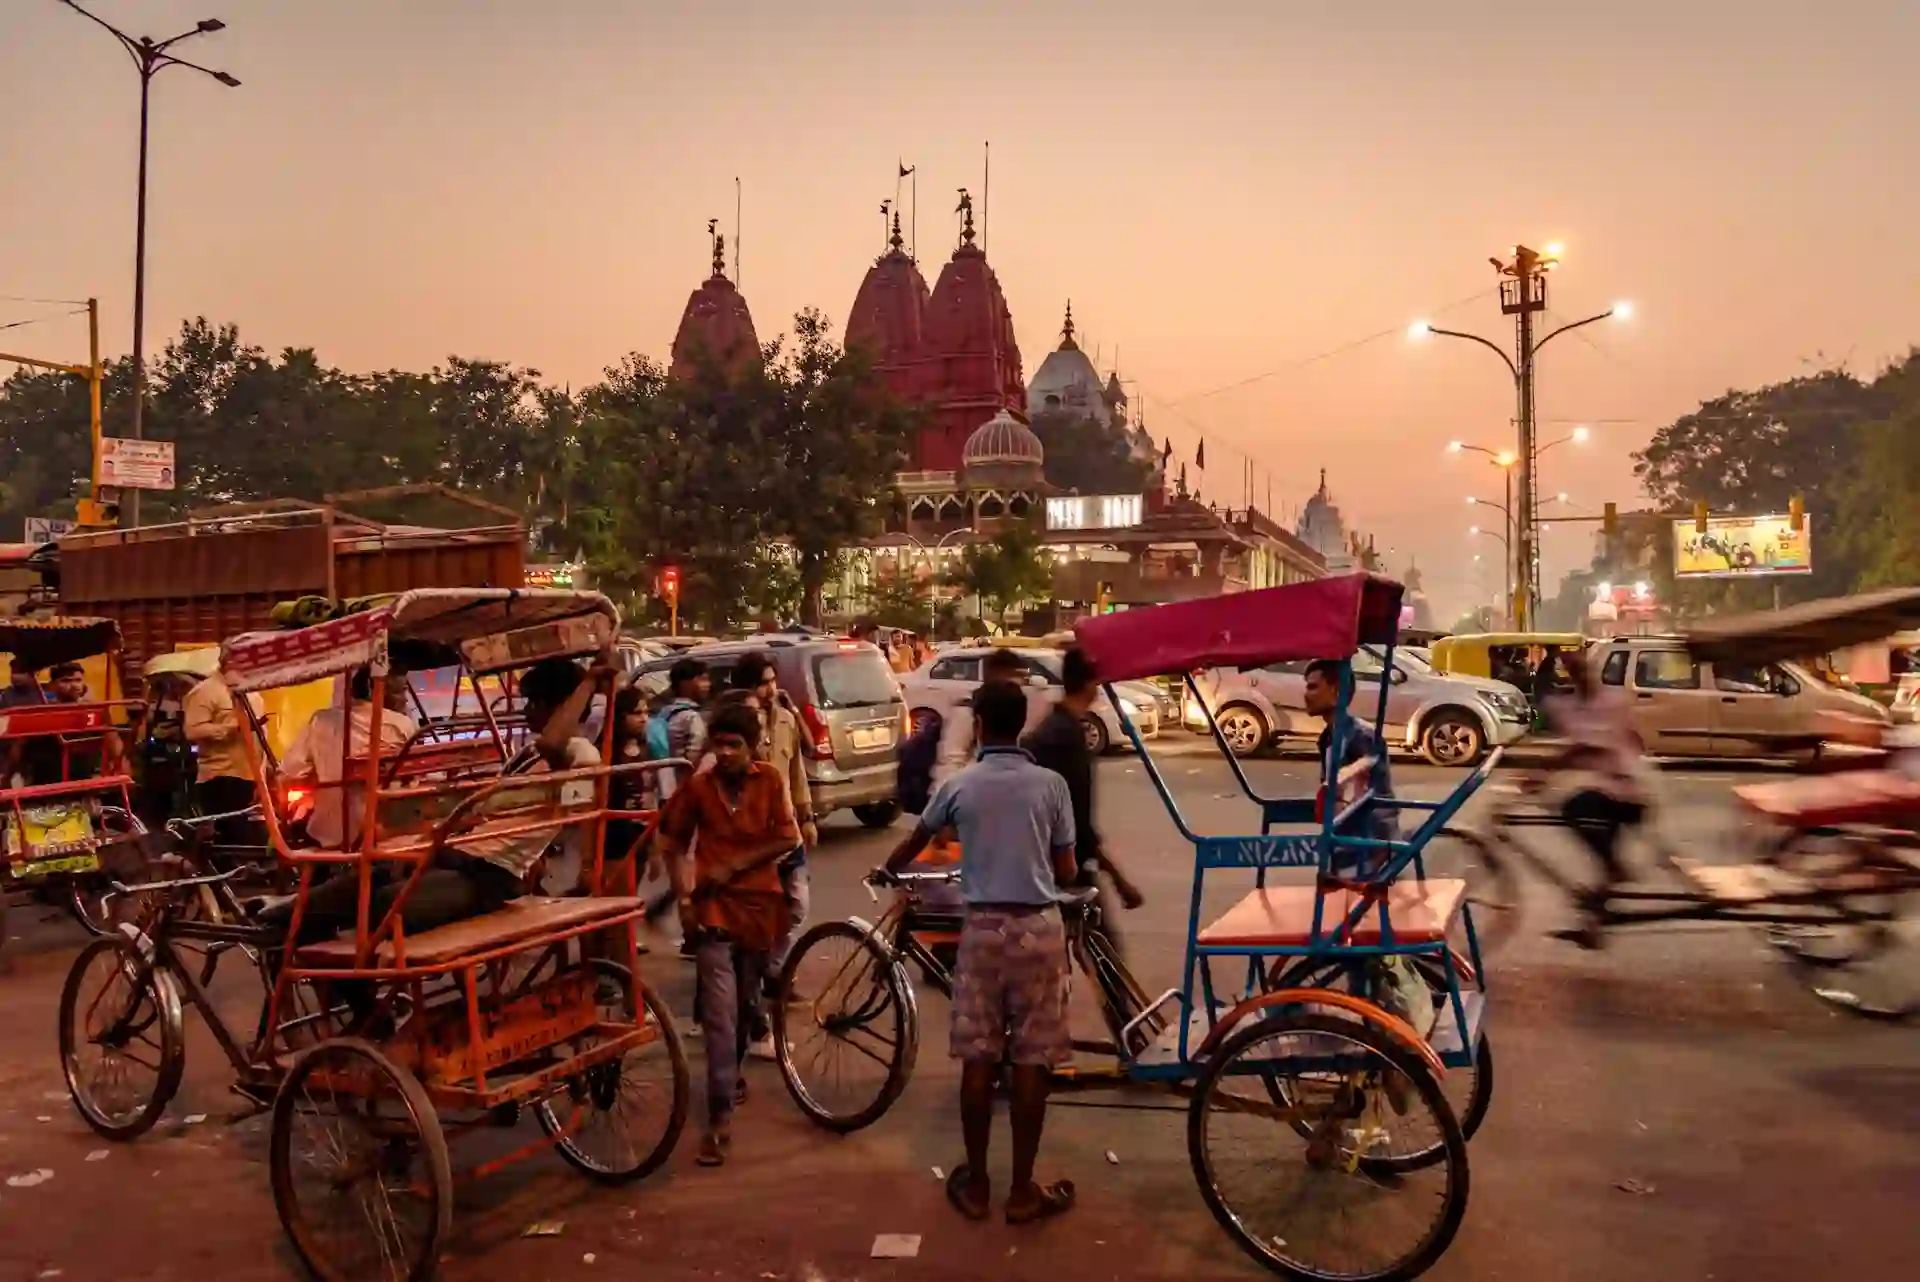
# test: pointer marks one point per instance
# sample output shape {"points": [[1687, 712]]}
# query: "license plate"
{"points": [[867, 738]]}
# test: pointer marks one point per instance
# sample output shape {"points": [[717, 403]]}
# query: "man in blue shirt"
{"points": [[1358, 743], [1015, 820]]}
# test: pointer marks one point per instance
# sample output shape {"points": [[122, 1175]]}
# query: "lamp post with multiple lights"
{"points": [[150, 57], [1523, 294]]}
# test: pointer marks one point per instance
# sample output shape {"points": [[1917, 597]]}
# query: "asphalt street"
{"points": [[1677, 1106]]}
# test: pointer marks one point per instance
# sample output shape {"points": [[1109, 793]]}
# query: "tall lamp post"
{"points": [[1523, 294], [150, 57], [1504, 460]]}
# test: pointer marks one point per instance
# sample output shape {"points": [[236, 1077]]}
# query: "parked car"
{"points": [[851, 713], [1451, 721], [1686, 708], [950, 679]]}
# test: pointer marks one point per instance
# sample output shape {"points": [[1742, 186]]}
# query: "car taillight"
{"points": [[296, 795], [820, 746]]}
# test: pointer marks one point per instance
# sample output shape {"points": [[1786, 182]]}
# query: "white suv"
{"points": [[1449, 720], [951, 678]]}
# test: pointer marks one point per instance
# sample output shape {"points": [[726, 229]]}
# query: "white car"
{"points": [[1449, 720], [950, 679]]}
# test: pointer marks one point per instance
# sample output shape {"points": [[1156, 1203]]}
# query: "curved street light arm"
{"points": [[127, 42], [1564, 328], [168, 60], [1495, 348]]}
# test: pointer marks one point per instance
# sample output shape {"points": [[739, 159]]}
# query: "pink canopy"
{"points": [[1322, 619]]}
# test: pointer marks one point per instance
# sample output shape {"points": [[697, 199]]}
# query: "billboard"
{"points": [[1739, 547], [1095, 511], [136, 465]]}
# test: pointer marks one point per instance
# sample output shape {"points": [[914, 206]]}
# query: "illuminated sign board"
{"points": [[1096, 511], [1739, 547]]}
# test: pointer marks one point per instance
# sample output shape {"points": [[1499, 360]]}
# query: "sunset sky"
{"points": [[1225, 190]]}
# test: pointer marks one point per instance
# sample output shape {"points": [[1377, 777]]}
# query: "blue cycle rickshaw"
{"points": [[1327, 1029]]}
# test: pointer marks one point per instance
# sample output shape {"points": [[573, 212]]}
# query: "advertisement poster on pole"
{"points": [[47, 529], [136, 465], [1740, 547]]}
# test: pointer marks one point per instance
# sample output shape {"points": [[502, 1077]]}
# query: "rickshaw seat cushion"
{"points": [[523, 918], [1281, 916], [1855, 796]]}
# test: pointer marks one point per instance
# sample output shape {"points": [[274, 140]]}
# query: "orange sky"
{"points": [[1224, 190]]}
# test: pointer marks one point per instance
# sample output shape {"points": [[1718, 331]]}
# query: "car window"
{"points": [[1615, 671], [1753, 678], [944, 670], [1665, 670], [1366, 665], [853, 679]]}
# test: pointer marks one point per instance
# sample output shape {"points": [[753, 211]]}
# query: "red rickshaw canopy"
{"points": [[1321, 619]]}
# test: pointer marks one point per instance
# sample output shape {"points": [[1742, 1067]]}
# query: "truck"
{"points": [[221, 572]]}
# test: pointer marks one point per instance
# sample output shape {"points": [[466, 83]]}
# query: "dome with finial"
{"points": [[716, 326], [1002, 440], [1067, 382], [1321, 526]]}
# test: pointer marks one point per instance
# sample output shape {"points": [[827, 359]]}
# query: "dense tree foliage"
{"points": [[634, 472]]}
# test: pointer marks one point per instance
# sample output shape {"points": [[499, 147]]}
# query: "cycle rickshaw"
{"points": [[372, 1048], [1834, 878], [73, 809], [1318, 1086]]}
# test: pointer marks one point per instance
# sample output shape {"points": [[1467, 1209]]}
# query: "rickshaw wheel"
{"points": [[872, 1025], [1468, 1089], [626, 1088], [1311, 1203], [360, 1170], [130, 1018]]}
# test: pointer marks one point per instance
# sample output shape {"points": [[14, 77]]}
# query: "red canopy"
{"points": [[1322, 619]]}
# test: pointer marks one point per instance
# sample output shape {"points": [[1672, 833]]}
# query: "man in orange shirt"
{"points": [[737, 823]]}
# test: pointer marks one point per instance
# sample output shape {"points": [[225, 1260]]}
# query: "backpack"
{"points": [[660, 728], [918, 756]]}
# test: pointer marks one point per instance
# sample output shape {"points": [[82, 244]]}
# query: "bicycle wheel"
{"points": [[1493, 884], [620, 1120], [1122, 998], [1468, 1088], [361, 1176], [1867, 960], [122, 1039], [844, 1028], [1293, 1182]]}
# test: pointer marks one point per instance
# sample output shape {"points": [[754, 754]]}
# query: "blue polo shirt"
{"points": [[1011, 815]]}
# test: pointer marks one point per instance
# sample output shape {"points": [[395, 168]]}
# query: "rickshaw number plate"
{"points": [[558, 1010]]}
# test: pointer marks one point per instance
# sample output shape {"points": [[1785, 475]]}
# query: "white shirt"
{"points": [[316, 756]]}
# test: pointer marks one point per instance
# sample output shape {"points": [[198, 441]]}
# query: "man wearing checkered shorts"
{"points": [[1015, 821]]}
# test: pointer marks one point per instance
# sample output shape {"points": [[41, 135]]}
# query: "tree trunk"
{"points": [[813, 588]]}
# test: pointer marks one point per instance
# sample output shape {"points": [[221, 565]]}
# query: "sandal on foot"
{"points": [[959, 1182], [1055, 1199]]}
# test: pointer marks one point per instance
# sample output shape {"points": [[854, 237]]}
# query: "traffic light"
{"points": [[97, 514], [1700, 516], [1797, 514], [670, 589], [1610, 520]]}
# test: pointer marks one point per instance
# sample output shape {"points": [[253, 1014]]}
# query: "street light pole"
{"points": [[1523, 292], [150, 57]]}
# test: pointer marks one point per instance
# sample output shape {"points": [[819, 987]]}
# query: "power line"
{"points": [[45, 302], [1337, 350], [39, 319]]}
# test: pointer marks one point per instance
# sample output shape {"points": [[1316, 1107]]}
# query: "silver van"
{"points": [[852, 716]]}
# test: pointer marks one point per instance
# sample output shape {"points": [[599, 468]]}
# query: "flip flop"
{"points": [[957, 1181], [1055, 1199]]}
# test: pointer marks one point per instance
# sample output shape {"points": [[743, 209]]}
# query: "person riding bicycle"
{"points": [[1601, 769]]}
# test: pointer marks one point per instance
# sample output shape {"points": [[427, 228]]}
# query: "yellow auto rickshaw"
{"points": [[1512, 657]]}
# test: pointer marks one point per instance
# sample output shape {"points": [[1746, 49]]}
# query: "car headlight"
{"points": [[1129, 707]]}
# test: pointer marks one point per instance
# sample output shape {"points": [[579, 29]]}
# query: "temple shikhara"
{"points": [[978, 463]]}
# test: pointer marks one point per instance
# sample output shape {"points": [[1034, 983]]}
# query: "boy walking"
{"points": [[722, 837]]}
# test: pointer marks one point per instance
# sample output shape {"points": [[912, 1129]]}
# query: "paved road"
{"points": [[1769, 1137]]}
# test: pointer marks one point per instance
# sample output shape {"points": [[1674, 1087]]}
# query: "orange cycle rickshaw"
{"points": [[372, 1048], [56, 830]]}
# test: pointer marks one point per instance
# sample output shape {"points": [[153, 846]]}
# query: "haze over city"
{"points": [[1224, 192]]}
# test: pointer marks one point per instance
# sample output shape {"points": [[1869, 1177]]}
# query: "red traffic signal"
{"points": [[670, 582]]}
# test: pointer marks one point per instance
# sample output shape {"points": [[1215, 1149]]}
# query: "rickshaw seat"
{"points": [[520, 919], [1282, 916], [1856, 796]]}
